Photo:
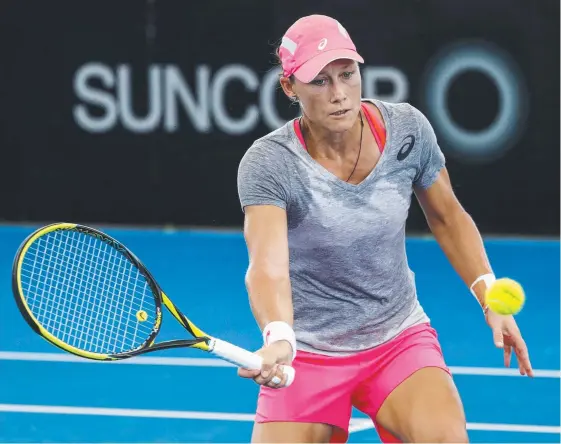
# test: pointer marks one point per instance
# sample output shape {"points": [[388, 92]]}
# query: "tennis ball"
{"points": [[505, 296], [141, 315]]}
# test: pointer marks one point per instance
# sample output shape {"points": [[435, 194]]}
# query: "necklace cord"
{"points": [[360, 147]]}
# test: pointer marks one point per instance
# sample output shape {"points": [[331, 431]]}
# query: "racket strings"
{"points": [[86, 293], [76, 315]]}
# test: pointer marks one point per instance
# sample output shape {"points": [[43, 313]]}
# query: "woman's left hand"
{"points": [[507, 336]]}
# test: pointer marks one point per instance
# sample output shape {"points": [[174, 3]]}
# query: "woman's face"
{"points": [[332, 99]]}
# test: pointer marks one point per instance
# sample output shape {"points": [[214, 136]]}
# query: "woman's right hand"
{"points": [[274, 356]]}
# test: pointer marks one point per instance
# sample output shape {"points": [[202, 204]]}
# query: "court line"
{"points": [[140, 360], [357, 424], [133, 413], [490, 371], [211, 362]]}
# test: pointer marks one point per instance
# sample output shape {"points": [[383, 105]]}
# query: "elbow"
{"points": [[269, 293], [450, 219], [269, 275]]}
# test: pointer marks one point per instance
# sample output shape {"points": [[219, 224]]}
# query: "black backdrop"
{"points": [[138, 112]]}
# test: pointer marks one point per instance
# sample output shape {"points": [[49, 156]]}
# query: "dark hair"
{"points": [[278, 64]]}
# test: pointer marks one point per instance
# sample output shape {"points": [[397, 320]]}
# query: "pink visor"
{"points": [[313, 42]]}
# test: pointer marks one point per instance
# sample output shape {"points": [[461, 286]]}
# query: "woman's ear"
{"points": [[288, 88]]}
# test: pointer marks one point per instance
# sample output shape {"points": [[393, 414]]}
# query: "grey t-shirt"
{"points": [[352, 288]]}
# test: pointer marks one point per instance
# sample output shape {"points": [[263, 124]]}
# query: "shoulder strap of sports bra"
{"points": [[376, 127]]}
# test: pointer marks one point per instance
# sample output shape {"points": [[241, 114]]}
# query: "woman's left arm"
{"points": [[461, 242]]}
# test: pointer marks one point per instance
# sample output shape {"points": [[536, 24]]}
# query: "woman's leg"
{"points": [[425, 407], [410, 394]]}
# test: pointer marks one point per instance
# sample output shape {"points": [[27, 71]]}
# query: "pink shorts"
{"points": [[326, 387]]}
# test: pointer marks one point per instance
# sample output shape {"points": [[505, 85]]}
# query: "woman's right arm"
{"points": [[264, 190]]}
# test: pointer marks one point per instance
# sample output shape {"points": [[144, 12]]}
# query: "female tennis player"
{"points": [[326, 199]]}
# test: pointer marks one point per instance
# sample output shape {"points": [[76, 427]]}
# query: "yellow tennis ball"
{"points": [[505, 296], [141, 315]]}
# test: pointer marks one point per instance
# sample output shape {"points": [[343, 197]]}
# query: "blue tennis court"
{"points": [[183, 396]]}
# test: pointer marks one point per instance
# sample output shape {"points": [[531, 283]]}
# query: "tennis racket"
{"points": [[88, 294]]}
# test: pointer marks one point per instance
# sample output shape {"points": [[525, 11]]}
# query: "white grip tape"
{"points": [[246, 359]]}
